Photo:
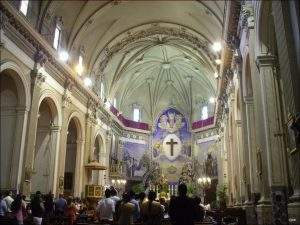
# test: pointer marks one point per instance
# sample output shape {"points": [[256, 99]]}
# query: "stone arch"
{"points": [[265, 30], [73, 166], [98, 156], [46, 142], [53, 102], [15, 103], [99, 146], [21, 82]]}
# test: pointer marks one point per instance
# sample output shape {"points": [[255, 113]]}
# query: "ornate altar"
{"points": [[116, 168]]}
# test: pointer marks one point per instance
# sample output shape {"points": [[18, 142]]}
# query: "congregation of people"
{"points": [[129, 209]]}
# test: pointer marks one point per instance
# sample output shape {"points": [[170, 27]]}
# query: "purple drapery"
{"points": [[129, 123], [203, 123]]}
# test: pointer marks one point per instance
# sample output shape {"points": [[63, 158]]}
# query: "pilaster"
{"points": [[37, 81], [240, 160], [275, 148]]}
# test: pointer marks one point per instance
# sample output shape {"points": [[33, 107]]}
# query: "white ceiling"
{"points": [[146, 52]]}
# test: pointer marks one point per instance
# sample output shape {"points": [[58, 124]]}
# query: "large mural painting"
{"points": [[171, 143], [207, 156], [135, 157]]}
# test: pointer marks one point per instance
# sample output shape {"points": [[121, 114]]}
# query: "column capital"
{"points": [[54, 128], [238, 123], [265, 60], [79, 141], [248, 100], [22, 109]]}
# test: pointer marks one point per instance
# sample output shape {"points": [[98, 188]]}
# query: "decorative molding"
{"points": [[109, 51]]}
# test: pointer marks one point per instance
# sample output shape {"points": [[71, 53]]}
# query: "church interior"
{"points": [[145, 95]]}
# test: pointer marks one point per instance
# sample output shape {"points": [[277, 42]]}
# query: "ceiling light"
{"points": [[63, 56], [166, 65], [212, 100], [87, 82], [218, 61], [216, 47], [216, 75]]}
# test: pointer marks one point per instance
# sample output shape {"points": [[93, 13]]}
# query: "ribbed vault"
{"points": [[148, 53]]}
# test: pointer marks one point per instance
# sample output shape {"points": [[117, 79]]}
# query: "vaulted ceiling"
{"points": [[151, 53]]}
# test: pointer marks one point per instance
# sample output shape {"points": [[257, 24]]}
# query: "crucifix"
{"points": [[172, 143]]}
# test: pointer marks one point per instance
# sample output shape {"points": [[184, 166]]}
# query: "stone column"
{"points": [[286, 23], [89, 145], [108, 140], [240, 161], [251, 155], [275, 148], [55, 136], [18, 151], [62, 156], [37, 81], [79, 169]]}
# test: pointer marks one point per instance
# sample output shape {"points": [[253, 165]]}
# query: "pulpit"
{"points": [[94, 191]]}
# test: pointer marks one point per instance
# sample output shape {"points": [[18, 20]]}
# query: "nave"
{"points": [[185, 102]]}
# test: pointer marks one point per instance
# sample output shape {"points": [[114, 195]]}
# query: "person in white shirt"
{"points": [[106, 209], [113, 195], [8, 200]]}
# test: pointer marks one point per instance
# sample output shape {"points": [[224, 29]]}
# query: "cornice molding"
{"points": [[232, 40]]}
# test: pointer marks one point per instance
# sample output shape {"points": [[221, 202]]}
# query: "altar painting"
{"points": [[171, 143]]}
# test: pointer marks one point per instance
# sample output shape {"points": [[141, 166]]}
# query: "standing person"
{"points": [[113, 193], [136, 213], [8, 200], [182, 209], [151, 211], [3, 207], [49, 205], [71, 211], [142, 198], [106, 209], [24, 207], [126, 211], [17, 208], [37, 208], [49, 208], [199, 209], [60, 205]]}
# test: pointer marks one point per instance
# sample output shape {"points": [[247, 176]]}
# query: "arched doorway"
{"points": [[96, 157], [45, 147], [72, 148], [13, 100]]}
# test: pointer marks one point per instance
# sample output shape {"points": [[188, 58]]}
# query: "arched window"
{"points": [[24, 6], [101, 90], [204, 115], [56, 36], [136, 114]]}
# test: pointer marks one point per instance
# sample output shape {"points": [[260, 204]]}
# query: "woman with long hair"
{"points": [[17, 208], [71, 211]]}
